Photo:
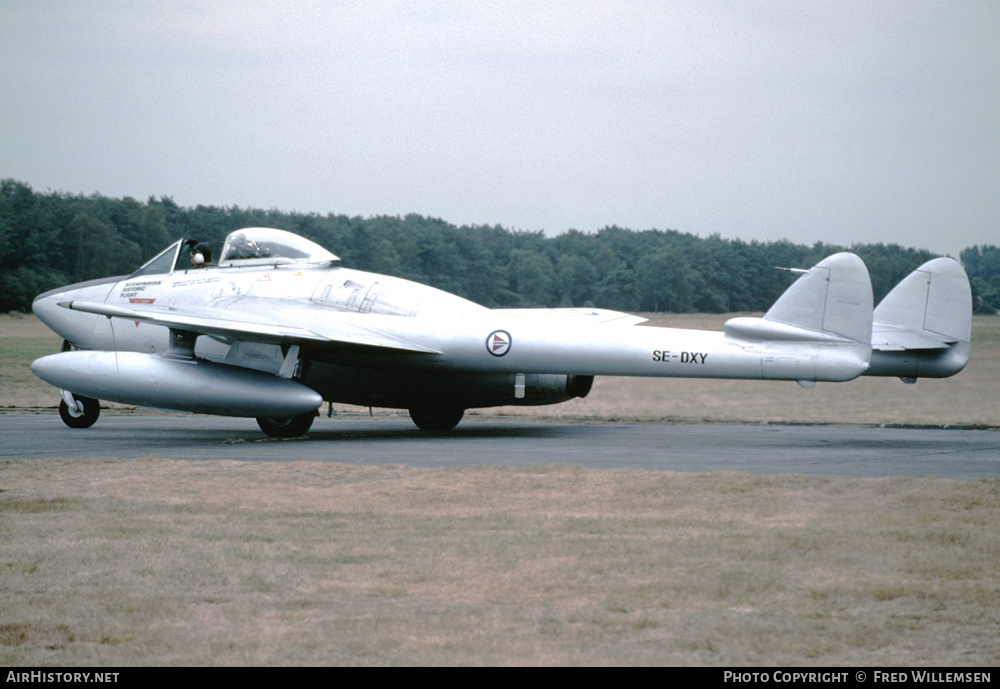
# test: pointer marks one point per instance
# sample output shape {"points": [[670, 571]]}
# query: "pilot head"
{"points": [[241, 246], [201, 254]]}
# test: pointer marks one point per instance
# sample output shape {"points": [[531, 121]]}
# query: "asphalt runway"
{"points": [[831, 451]]}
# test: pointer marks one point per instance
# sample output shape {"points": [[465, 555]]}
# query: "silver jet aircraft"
{"points": [[279, 325]]}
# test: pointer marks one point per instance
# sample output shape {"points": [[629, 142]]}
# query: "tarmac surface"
{"points": [[816, 450]]}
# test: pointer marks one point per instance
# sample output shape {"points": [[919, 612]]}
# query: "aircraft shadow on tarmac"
{"points": [[415, 435]]}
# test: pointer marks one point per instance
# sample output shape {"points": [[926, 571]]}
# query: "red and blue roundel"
{"points": [[498, 342]]}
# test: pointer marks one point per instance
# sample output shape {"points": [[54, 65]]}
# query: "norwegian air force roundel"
{"points": [[498, 342]]}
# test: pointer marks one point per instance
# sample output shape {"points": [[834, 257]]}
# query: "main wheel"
{"points": [[74, 417], [286, 427], [436, 418]]}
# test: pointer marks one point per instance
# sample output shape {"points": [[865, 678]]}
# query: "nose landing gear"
{"points": [[78, 411]]}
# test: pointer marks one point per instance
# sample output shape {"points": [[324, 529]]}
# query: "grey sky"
{"points": [[812, 121]]}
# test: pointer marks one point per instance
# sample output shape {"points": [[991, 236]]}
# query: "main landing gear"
{"points": [[286, 427], [431, 419], [436, 419]]}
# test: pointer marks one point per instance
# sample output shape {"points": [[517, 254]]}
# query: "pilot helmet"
{"points": [[241, 246]]}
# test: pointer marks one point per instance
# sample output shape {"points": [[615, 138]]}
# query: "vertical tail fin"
{"points": [[834, 297], [924, 325], [934, 301], [830, 302]]}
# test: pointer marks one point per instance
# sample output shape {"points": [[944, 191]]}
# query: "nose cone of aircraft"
{"points": [[72, 325], [46, 307]]}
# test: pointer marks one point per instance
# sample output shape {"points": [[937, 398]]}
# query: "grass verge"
{"points": [[150, 562]]}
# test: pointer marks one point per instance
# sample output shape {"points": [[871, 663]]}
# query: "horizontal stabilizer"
{"points": [[891, 338]]}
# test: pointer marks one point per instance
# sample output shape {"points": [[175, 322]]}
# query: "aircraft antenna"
{"points": [[114, 342]]}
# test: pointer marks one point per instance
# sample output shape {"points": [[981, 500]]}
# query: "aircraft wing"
{"points": [[231, 324]]}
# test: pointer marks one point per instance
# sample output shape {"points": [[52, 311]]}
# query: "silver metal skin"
{"points": [[279, 325]]}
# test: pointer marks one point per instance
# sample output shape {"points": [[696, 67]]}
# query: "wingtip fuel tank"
{"points": [[165, 382]]}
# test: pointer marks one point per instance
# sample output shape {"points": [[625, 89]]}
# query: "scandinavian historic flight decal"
{"points": [[498, 343]]}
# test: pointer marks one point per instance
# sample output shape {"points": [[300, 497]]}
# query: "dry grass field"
{"points": [[154, 562], [238, 563]]}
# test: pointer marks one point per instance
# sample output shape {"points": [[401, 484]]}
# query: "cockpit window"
{"points": [[255, 245], [162, 263]]}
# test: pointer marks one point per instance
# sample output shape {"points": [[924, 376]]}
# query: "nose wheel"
{"points": [[77, 411]]}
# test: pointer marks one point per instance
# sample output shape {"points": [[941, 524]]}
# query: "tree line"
{"points": [[52, 239]]}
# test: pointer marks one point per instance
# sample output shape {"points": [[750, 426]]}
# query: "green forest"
{"points": [[52, 239]]}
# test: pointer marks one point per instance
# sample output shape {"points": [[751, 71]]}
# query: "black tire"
{"points": [[91, 410], [287, 427], [436, 419]]}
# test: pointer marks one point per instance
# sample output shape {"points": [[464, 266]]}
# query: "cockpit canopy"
{"points": [[267, 245], [247, 247]]}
